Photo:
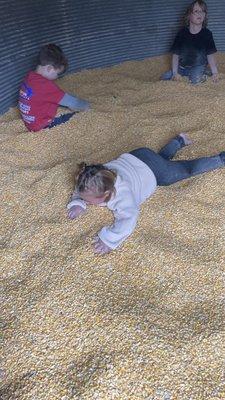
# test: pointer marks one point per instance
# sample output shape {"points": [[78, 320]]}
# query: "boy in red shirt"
{"points": [[40, 97]]}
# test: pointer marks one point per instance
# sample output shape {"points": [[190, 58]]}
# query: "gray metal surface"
{"points": [[93, 33]]}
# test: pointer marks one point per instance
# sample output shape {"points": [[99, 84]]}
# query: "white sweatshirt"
{"points": [[135, 182]]}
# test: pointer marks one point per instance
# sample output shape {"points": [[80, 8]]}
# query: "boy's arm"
{"points": [[210, 51], [175, 63], [213, 67], [74, 103], [175, 50]]}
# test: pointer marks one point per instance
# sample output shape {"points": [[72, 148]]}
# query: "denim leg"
{"points": [[184, 169], [167, 76], [196, 74], [170, 149], [183, 71], [165, 171], [168, 172]]}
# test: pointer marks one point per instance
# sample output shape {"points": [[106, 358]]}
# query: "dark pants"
{"points": [[195, 74], [60, 120], [168, 172]]}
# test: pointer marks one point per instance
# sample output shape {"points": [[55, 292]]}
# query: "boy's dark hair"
{"points": [[189, 10], [51, 54]]}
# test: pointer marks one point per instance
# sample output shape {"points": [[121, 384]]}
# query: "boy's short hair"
{"points": [[189, 10], [51, 54]]}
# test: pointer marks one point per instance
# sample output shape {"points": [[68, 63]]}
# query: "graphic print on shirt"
{"points": [[38, 101], [26, 92]]}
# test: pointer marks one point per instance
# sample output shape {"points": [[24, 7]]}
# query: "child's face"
{"points": [[53, 73], [91, 198], [197, 15]]}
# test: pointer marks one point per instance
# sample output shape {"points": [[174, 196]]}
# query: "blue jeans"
{"points": [[168, 172], [60, 120], [195, 74]]}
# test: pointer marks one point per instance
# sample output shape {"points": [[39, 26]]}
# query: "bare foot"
{"points": [[185, 138]]}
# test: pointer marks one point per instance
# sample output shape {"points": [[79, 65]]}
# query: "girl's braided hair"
{"points": [[95, 178], [189, 10]]}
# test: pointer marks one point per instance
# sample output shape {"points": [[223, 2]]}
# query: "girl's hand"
{"points": [[100, 247], [75, 212]]}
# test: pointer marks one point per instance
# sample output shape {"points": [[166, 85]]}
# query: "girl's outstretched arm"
{"points": [[125, 210], [100, 247], [75, 212], [76, 206], [124, 224]]}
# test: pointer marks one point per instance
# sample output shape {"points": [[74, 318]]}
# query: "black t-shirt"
{"points": [[193, 49]]}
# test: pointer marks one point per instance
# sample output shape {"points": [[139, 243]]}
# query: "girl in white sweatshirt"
{"points": [[123, 184]]}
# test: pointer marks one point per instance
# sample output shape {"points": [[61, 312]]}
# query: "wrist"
{"points": [[214, 71]]}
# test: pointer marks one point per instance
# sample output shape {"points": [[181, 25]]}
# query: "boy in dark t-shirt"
{"points": [[40, 97], [193, 48]]}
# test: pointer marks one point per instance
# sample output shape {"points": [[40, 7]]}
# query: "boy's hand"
{"points": [[84, 105], [215, 78], [177, 77], [75, 212], [100, 247], [87, 107]]}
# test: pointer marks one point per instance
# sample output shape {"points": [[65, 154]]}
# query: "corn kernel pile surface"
{"points": [[145, 322]]}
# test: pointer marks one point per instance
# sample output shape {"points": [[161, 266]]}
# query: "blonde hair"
{"points": [[95, 178], [204, 8]]}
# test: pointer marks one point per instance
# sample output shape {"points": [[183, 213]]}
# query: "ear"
{"points": [[49, 68], [107, 195]]}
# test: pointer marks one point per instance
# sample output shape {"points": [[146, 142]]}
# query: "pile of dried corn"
{"points": [[146, 321]]}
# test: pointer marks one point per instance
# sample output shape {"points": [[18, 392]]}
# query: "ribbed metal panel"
{"points": [[93, 33]]}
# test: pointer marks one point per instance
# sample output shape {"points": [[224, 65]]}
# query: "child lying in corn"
{"points": [[123, 184]]}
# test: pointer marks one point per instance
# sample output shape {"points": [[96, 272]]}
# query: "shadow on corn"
{"points": [[10, 390], [22, 300], [81, 375], [199, 249], [148, 312]]}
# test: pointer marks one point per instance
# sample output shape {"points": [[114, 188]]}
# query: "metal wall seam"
{"points": [[93, 33]]}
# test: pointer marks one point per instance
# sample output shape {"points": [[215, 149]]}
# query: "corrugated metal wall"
{"points": [[93, 33]]}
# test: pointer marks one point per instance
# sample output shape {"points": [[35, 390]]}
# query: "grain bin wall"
{"points": [[93, 33]]}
